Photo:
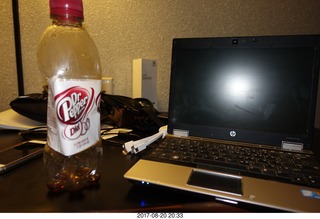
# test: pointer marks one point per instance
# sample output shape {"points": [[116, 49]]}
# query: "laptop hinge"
{"points": [[292, 145], [180, 133]]}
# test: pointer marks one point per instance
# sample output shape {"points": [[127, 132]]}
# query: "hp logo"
{"points": [[233, 133]]}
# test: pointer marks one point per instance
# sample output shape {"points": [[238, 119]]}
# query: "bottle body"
{"points": [[72, 173], [69, 59]]}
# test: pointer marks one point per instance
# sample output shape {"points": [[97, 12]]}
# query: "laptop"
{"points": [[236, 105]]}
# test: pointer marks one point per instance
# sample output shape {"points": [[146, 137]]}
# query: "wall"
{"points": [[124, 30], [8, 81]]}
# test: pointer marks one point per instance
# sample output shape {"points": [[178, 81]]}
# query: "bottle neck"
{"points": [[66, 20]]}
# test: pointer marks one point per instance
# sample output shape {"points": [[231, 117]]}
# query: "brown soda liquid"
{"points": [[72, 173]]}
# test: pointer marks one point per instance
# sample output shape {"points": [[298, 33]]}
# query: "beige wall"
{"points": [[124, 30], [8, 80]]}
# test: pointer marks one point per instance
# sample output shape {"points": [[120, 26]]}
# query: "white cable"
{"points": [[134, 147]]}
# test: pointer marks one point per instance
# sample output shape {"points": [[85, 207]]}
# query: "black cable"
{"points": [[17, 40]]}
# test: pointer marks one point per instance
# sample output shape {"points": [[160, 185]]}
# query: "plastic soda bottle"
{"points": [[69, 59]]}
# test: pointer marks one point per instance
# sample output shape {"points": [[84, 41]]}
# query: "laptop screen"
{"points": [[251, 89]]}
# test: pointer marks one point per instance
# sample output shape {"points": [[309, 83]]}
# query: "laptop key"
{"points": [[165, 155], [299, 179], [232, 160], [254, 169], [314, 180], [186, 159], [196, 155], [284, 174], [268, 172]]}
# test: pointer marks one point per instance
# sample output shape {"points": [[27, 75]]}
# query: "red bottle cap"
{"points": [[66, 8]]}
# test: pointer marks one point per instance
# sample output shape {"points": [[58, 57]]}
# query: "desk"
{"points": [[24, 190]]}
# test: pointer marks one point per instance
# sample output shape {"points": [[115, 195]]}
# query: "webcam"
{"points": [[234, 41]]}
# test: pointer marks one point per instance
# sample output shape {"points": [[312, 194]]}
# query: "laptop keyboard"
{"points": [[291, 167]]}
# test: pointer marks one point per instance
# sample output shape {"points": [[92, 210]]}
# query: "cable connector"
{"points": [[135, 147]]}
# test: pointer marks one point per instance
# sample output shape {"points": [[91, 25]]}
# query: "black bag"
{"points": [[33, 106], [124, 111], [116, 110]]}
